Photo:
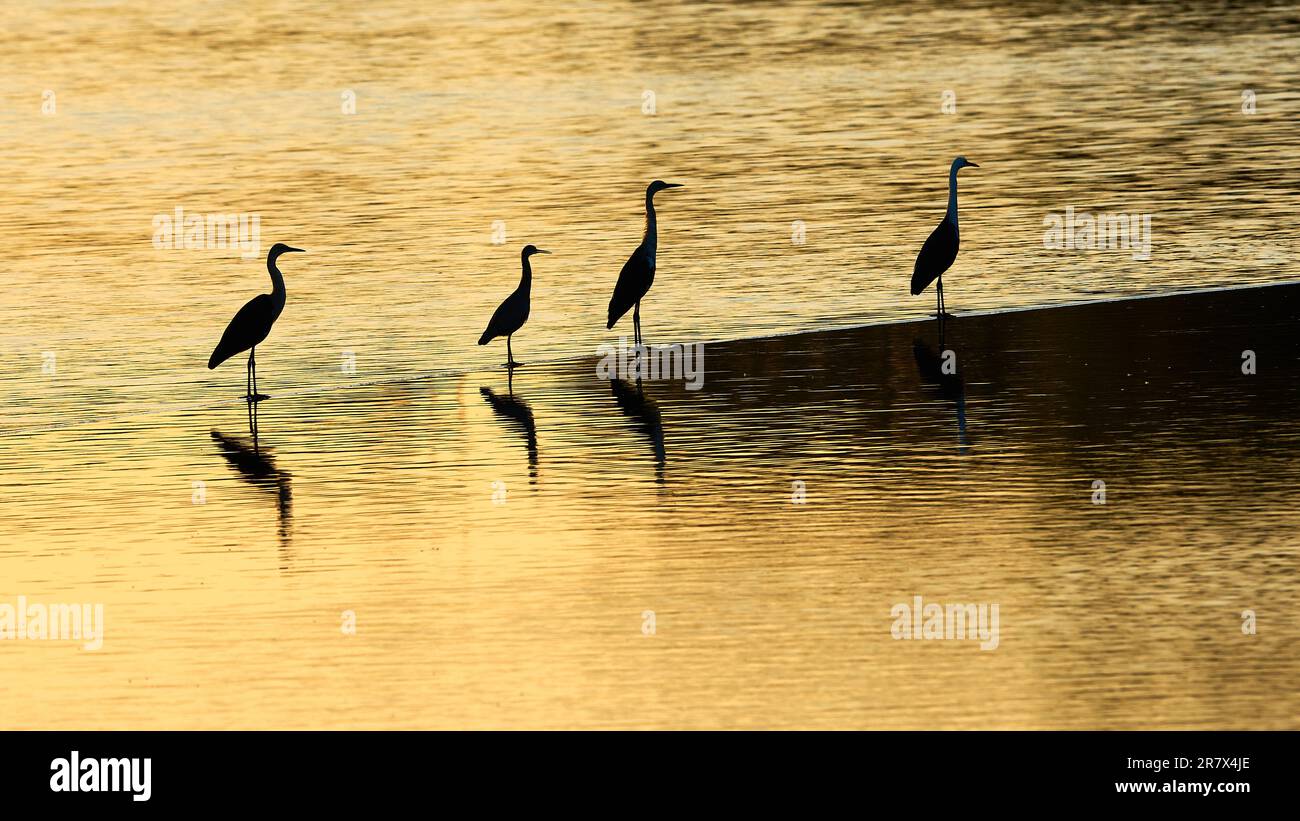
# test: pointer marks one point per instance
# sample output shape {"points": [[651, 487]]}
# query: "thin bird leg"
{"points": [[248, 377], [636, 324], [252, 423], [252, 362], [510, 357], [251, 373]]}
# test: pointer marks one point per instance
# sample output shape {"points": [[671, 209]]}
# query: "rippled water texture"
{"points": [[373, 491]]}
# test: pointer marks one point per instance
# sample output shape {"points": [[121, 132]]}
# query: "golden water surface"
{"points": [[500, 541]]}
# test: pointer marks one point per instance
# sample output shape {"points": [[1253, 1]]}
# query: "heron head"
{"points": [[280, 248], [529, 250], [962, 162], [659, 185]]}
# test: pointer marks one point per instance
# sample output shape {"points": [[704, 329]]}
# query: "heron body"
{"points": [[253, 322], [634, 281], [638, 272], [937, 255], [940, 248], [249, 327], [512, 313]]}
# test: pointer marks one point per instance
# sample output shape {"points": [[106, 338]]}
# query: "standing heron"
{"points": [[512, 313], [638, 272], [940, 249], [253, 322]]}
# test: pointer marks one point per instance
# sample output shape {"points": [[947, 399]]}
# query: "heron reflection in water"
{"points": [[643, 410], [255, 465], [518, 415], [939, 373]]}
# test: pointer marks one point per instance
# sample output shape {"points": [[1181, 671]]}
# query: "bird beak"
{"points": [[972, 165], [540, 251], [295, 249], [672, 185]]}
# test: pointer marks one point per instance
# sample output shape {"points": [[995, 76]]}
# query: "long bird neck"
{"points": [[651, 227], [952, 197], [278, 293], [526, 278]]}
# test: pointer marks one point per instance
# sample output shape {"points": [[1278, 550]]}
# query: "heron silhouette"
{"points": [[252, 324], [512, 313], [638, 272], [940, 249]]}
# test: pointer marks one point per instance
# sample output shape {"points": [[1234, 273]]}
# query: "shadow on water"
{"points": [[519, 415], [1091, 386], [634, 404], [255, 465]]}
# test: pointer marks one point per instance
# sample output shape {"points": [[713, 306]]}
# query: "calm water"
{"points": [[373, 491]]}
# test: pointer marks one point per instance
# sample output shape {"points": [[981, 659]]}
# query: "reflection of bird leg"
{"points": [[252, 425], [510, 380]]}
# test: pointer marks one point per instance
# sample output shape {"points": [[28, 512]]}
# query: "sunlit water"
{"points": [[374, 491]]}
